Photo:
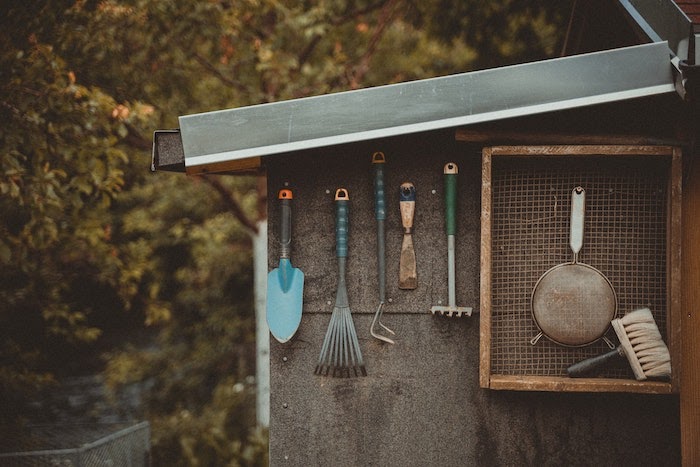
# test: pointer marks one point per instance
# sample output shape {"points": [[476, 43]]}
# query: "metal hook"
{"points": [[377, 320]]}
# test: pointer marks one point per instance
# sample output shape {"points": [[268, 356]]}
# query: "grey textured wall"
{"points": [[421, 403]]}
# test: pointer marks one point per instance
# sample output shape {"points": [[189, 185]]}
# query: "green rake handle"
{"points": [[450, 172], [342, 222]]}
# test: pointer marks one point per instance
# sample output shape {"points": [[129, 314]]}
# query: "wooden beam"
{"points": [[248, 166], [505, 136], [559, 384], [674, 267], [690, 317], [485, 291]]}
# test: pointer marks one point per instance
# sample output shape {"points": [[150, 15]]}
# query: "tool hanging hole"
{"points": [[378, 158], [341, 194]]}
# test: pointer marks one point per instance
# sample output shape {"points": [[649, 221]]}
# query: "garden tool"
{"points": [[451, 309], [408, 278], [340, 353], [378, 162], [285, 284]]}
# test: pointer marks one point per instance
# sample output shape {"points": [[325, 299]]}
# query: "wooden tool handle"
{"points": [[588, 366], [450, 172], [378, 162], [342, 221], [407, 205]]}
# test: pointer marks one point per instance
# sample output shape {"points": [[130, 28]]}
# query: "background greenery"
{"points": [[147, 278]]}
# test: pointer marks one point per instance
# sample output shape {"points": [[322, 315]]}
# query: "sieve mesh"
{"points": [[624, 238]]}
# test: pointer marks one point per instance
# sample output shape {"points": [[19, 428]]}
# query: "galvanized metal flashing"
{"points": [[661, 20], [214, 138]]}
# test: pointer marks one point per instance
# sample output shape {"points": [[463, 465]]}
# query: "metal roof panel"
{"points": [[260, 130]]}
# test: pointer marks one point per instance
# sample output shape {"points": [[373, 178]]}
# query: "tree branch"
{"points": [[214, 71], [306, 53], [136, 140], [232, 203], [386, 17], [308, 50]]}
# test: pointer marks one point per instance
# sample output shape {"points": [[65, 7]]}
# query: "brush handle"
{"points": [[588, 366], [450, 172], [285, 197], [378, 162], [342, 206]]}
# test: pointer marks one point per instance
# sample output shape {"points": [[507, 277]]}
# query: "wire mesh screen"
{"points": [[79, 445], [625, 230]]}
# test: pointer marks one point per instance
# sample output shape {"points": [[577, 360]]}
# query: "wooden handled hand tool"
{"points": [[408, 278], [640, 342], [378, 163], [451, 309]]}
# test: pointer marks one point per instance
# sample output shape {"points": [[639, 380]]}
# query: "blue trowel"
{"points": [[285, 284]]}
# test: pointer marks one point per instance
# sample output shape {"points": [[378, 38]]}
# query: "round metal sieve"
{"points": [[573, 303]]}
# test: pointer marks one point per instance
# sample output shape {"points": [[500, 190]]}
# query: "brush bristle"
{"points": [[645, 349]]}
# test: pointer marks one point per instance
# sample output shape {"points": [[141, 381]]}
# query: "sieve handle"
{"points": [[578, 208]]}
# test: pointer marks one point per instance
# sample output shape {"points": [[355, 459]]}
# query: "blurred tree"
{"points": [[505, 32], [61, 168], [95, 251]]}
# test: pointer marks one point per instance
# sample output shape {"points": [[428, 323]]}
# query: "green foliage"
{"points": [[505, 32], [61, 168], [149, 276], [204, 437]]}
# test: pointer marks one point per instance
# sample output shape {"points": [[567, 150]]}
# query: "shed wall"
{"points": [[421, 403]]}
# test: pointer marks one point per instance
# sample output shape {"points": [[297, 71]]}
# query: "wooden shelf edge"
{"points": [[582, 150], [250, 165], [562, 384]]}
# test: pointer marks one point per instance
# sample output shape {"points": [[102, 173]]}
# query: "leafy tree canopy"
{"points": [[96, 252]]}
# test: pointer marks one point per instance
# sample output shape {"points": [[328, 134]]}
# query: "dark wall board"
{"points": [[421, 403], [314, 178]]}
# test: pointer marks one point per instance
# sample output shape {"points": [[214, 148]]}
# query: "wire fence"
{"points": [[80, 446]]}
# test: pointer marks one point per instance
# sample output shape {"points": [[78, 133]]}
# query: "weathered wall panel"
{"points": [[421, 403]]}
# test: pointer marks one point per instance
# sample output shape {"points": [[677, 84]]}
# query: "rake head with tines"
{"points": [[340, 353]]}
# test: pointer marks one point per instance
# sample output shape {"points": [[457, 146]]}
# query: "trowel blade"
{"points": [[285, 296]]}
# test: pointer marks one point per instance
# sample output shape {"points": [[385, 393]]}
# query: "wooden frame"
{"points": [[673, 261], [690, 372]]}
